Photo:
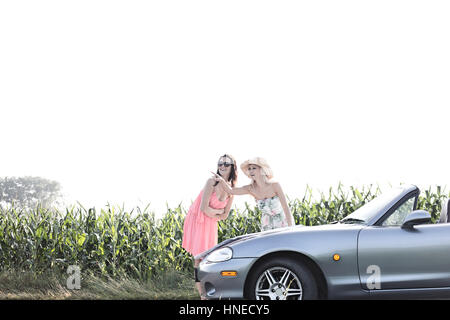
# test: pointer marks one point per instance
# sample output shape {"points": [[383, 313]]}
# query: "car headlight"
{"points": [[220, 255]]}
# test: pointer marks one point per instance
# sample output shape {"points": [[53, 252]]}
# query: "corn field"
{"points": [[112, 242]]}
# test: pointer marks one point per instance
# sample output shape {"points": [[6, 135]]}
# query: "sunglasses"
{"points": [[226, 164]]}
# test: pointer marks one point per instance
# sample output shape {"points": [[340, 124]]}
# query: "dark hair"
{"points": [[233, 173]]}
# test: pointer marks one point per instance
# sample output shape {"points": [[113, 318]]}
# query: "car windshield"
{"points": [[367, 211]]}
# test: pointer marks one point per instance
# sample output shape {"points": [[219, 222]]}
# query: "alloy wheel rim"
{"points": [[278, 283]]}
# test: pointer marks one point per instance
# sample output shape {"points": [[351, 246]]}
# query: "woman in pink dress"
{"points": [[211, 205]]}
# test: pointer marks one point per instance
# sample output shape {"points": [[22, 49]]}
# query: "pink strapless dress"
{"points": [[200, 231]]}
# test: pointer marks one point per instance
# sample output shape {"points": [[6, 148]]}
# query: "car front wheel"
{"points": [[282, 279]]}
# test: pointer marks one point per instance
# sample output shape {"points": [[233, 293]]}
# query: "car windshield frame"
{"points": [[370, 212]]}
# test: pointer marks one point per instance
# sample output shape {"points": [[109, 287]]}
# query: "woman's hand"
{"points": [[213, 213], [227, 188], [217, 177]]}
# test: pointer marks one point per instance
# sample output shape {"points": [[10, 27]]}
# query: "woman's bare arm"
{"points": [[204, 205], [284, 204], [226, 212], [233, 191]]}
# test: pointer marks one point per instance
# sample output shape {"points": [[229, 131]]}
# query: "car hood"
{"points": [[282, 231]]}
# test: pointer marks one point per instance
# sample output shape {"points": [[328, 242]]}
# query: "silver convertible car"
{"points": [[385, 249]]}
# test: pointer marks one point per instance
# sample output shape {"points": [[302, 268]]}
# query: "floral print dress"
{"points": [[272, 213]]}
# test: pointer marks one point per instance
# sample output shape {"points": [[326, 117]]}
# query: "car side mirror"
{"points": [[416, 217]]}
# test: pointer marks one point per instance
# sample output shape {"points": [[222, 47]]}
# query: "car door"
{"points": [[391, 257]]}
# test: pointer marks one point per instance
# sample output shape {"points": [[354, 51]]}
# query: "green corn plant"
{"points": [[112, 242]]}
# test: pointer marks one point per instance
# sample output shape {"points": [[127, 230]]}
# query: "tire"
{"points": [[282, 278]]}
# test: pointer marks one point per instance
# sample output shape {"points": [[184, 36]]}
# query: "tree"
{"points": [[28, 192]]}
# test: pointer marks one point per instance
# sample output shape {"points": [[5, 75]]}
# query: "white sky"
{"points": [[134, 101]]}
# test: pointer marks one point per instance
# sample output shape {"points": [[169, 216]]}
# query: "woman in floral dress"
{"points": [[270, 198]]}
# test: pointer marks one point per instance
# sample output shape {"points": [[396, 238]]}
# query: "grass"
{"points": [[171, 285]]}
